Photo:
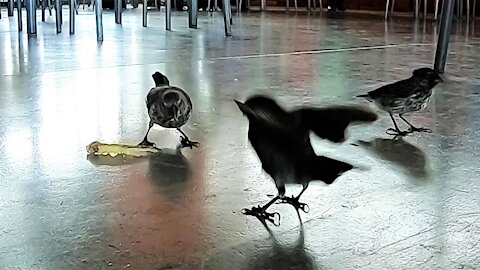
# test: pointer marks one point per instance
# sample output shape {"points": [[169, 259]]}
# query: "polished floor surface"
{"points": [[417, 206]]}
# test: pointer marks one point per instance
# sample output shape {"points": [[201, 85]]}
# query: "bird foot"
{"points": [[187, 143], [295, 203], [146, 144], [263, 215], [421, 129], [397, 133]]}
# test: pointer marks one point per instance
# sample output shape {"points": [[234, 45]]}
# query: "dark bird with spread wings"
{"points": [[406, 96], [169, 107], [282, 142]]}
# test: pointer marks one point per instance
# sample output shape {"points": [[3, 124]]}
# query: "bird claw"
{"points": [[295, 203], [187, 143], [146, 144], [397, 133], [263, 215], [421, 129]]}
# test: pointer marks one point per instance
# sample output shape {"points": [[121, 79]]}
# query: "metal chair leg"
{"points": [[436, 9], [417, 8], [461, 8], [19, 15], [386, 8], [468, 9], [425, 9], [296, 5], [474, 8], [227, 18], [44, 7], [392, 7]]}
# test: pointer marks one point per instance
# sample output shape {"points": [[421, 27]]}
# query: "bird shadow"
{"points": [[399, 152], [266, 254], [169, 171]]}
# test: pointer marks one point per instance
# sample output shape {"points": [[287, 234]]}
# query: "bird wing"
{"points": [[155, 95], [331, 123], [327, 169], [401, 89], [184, 102]]}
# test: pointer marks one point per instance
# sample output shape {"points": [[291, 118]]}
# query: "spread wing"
{"points": [[330, 123]]}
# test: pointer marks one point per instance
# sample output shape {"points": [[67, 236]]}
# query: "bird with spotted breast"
{"points": [[404, 97], [170, 107], [282, 143]]}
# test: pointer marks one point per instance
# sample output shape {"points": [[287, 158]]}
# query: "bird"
{"points": [[405, 96], [282, 143], [170, 107]]}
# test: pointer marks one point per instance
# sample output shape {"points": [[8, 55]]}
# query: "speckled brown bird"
{"points": [[170, 107], [406, 96]]}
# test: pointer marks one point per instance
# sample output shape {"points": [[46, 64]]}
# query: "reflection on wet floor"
{"points": [[416, 207]]}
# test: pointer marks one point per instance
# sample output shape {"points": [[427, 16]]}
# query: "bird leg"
{"points": [[186, 142], [261, 213], [396, 132], [145, 142], [415, 129], [294, 201]]}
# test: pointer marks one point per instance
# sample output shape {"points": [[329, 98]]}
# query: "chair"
{"points": [[459, 5], [417, 8], [288, 4], [315, 5]]}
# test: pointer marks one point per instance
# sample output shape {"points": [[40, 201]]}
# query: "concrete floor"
{"points": [[417, 206]]}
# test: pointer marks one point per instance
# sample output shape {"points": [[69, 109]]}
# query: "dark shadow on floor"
{"points": [[400, 153], [170, 171], [268, 254]]}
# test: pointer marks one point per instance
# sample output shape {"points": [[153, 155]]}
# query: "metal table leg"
{"points": [[444, 36], [58, 15], [118, 11], [192, 13], [19, 16], [99, 17], [31, 17], [168, 14], [227, 16], [10, 8], [144, 13], [72, 16], [263, 4]]}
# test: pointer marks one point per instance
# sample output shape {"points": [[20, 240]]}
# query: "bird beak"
{"points": [[240, 105], [439, 79], [244, 108]]}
